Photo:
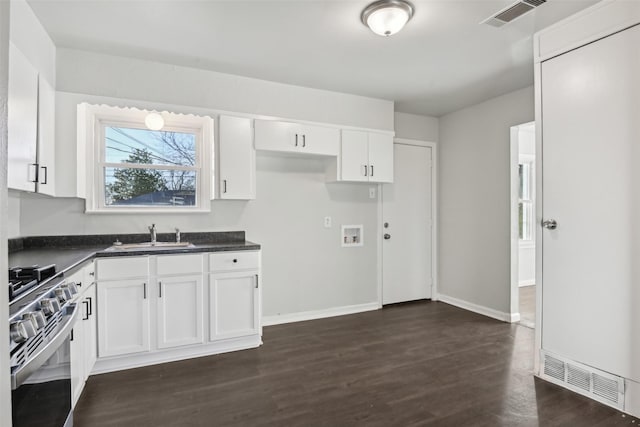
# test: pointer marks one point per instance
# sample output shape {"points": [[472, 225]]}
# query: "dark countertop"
{"points": [[69, 252]]}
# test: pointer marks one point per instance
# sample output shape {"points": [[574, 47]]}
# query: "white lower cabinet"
{"points": [[233, 299], [123, 317], [154, 309], [179, 316], [83, 345]]}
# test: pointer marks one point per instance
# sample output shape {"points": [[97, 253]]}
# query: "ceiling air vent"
{"points": [[512, 12]]}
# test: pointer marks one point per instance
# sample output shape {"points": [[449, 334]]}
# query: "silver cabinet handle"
{"points": [[366, 171], [44, 169], [224, 185], [304, 140], [36, 169], [144, 290], [550, 224], [257, 278], [371, 166], [296, 139], [160, 289]]}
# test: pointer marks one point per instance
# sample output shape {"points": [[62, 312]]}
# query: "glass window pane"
{"points": [[524, 171], [525, 220], [149, 187], [520, 221], [149, 147]]}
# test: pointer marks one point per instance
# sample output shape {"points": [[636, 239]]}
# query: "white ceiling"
{"points": [[443, 60]]}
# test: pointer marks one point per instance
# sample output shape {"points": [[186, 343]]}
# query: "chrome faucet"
{"points": [[177, 235], [152, 230]]}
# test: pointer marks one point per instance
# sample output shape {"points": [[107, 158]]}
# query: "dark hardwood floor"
{"points": [[423, 363]]}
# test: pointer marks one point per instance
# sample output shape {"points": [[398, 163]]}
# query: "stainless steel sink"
{"points": [[150, 246]]}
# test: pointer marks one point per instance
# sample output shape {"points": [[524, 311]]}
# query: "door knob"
{"points": [[387, 236], [550, 224]]}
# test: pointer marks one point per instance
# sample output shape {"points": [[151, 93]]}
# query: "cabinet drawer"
{"points": [[122, 267], [230, 261], [179, 264]]}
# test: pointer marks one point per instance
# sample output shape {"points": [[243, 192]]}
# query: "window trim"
{"points": [[530, 202], [92, 121]]}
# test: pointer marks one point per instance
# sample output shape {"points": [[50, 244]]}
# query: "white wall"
{"points": [[33, 41], [13, 214], [474, 206], [5, 389], [104, 75], [414, 126], [305, 267]]}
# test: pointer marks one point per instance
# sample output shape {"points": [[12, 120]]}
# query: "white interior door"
{"points": [[591, 187], [407, 216]]}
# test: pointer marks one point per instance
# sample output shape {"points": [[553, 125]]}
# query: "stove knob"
{"points": [[49, 306], [73, 287], [37, 318], [20, 331], [61, 295]]}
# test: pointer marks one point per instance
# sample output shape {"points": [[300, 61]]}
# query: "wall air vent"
{"points": [[583, 379], [512, 12]]}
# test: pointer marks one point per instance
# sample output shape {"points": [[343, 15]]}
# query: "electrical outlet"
{"points": [[372, 192], [327, 222]]}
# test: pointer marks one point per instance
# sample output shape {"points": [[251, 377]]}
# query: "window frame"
{"points": [[92, 123], [528, 203]]}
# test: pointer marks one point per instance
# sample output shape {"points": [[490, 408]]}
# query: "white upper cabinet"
{"points": [[22, 122], [46, 135], [291, 137], [365, 157], [31, 127], [237, 159]]}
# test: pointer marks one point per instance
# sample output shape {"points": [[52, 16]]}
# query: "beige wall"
{"points": [[474, 199]]}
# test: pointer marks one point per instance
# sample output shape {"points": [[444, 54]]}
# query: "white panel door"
{"points": [[22, 122], [46, 138], [381, 154], [237, 159], [591, 187], [233, 305], [179, 315], [123, 317], [354, 156], [407, 215]]}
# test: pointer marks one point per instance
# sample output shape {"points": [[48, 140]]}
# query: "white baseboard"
{"points": [[485, 311], [632, 398], [529, 282], [318, 314]]}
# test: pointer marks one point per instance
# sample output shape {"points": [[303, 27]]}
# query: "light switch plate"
{"points": [[327, 222]]}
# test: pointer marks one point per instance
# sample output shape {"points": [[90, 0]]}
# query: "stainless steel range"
{"points": [[41, 319]]}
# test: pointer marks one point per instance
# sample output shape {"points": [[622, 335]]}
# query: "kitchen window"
{"points": [[138, 169]]}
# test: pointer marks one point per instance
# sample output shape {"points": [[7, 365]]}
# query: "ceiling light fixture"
{"points": [[387, 17], [154, 121]]}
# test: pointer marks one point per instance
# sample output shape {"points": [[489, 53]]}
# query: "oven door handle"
{"points": [[20, 375]]}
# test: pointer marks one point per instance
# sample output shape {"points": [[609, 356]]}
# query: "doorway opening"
{"points": [[523, 236]]}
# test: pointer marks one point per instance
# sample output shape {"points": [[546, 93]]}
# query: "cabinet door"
{"points": [[380, 157], [22, 122], [90, 331], [123, 317], [275, 135], [290, 137], [233, 305], [354, 156], [318, 140], [237, 159], [77, 358], [46, 138], [179, 315]]}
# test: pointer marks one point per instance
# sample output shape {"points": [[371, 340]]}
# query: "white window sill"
{"points": [[138, 211]]}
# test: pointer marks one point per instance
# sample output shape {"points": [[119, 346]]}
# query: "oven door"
{"points": [[41, 388]]}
